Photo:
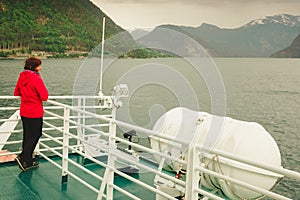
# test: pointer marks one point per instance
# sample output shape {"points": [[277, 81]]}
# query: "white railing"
{"points": [[111, 151], [64, 131]]}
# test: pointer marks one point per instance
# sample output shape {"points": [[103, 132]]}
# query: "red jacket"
{"points": [[32, 90]]}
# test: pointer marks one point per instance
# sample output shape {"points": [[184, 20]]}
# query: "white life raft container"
{"points": [[245, 139]]}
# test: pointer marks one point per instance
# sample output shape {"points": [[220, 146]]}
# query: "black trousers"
{"points": [[32, 131]]}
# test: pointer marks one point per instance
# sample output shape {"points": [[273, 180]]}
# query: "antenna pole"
{"points": [[102, 56]]}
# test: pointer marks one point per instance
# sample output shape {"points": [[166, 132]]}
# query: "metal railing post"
{"points": [[192, 175], [65, 145], [108, 178], [111, 160], [80, 130]]}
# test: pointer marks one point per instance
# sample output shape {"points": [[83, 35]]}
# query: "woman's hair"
{"points": [[32, 63]]}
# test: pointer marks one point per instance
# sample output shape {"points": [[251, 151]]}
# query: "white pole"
{"points": [[102, 55], [65, 145]]}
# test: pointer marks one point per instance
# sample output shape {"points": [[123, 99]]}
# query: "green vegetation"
{"points": [[52, 26], [147, 53], [62, 29]]}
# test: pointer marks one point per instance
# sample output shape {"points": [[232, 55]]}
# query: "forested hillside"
{"points": [[51, 26]]}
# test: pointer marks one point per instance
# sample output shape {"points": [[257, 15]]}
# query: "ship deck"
{"points": [[68, 170], [45, 182]]}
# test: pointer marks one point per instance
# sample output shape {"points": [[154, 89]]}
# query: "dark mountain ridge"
{"points": [[258, 38], [292, 51]]}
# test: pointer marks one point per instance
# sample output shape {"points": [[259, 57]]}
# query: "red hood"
{"points": [[25, 78]]}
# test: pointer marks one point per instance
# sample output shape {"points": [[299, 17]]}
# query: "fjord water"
{"points": [[262, 90]]}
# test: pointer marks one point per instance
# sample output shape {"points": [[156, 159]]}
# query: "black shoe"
{"points": [[34, 165], [20, 163]]}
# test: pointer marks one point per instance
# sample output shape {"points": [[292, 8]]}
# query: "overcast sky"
{"points": [[131, 14]]}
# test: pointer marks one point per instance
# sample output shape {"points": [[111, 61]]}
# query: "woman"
{"points": [[32, 90]]}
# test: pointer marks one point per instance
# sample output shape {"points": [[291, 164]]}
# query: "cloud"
{"points": [[225, 13], [265, 4], [201, 2]]}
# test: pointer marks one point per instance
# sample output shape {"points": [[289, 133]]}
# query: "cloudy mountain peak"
{"points": [[283, 19]]}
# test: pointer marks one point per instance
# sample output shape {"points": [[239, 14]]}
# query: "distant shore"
{"points": [[44, 55]]}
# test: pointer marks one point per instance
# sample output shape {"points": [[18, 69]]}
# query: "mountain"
{"points": [[283, 19], [52, 25], [138, 33], [258, 38], [176, 40], [292, 51]]}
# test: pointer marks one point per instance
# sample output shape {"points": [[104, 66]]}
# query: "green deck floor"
{"points": [[44, 182]]}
